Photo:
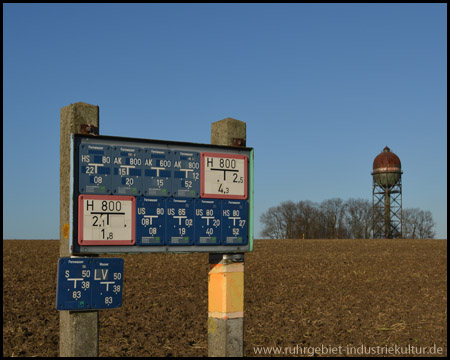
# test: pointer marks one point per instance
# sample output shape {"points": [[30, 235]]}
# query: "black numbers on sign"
{"points": [[237, 179], [109, 236], [223, 190], [227, 163], [97, 222], [111, 205]]}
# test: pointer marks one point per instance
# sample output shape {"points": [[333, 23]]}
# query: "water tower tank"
{"points": [[387, 169]]}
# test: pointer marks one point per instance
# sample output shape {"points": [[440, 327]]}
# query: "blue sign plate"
{"points": [[127, 170], [186, 174], [87, 283], [157, 172], [107, 284], [151, 221], [180, 221], [207, 222], [95, 169], [234, 222], [74, 284]]}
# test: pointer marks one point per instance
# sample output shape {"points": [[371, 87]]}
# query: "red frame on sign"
{"points": [[83, 242], [218, 196]]}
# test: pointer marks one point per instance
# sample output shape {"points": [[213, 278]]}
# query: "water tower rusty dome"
{"points": [[387, 168]]}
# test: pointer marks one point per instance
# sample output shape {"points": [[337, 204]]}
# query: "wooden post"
{"points": [[226, 275], [78, 329]]}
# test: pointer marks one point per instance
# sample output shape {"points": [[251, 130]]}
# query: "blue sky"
{"points": [[323, 89]]}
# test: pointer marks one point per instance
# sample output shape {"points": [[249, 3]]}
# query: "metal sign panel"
{"points": [[95, 169], [224, 176], [235, 222], [163, 196], [107, 283], [86, 283], [74, 284], [157, 166], [106, 220], [127, 170], [207, 222], [186, 174], [180, 221], [151, 221]]}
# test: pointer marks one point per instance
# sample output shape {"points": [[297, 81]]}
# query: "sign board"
{"points": [[224, 176], [107, 284], [106, 220], [180, 222], [95, 169], [235, 222], [139, 195], [127, 170], [186, 175], [151, 221], [208, 222], [87, 283], [157, 166]]}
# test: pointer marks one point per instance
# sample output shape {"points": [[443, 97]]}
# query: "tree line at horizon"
{"points": [[337, 219]]}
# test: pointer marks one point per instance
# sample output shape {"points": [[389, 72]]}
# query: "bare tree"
{"points": [[334, 209], [280, 221], [409, 227], [418, 224], [274, 225], [358, 218], [307, 219], [334, 219], [289, 214], [426, 225]]}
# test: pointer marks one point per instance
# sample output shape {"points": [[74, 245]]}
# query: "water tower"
{"points": [[387, 196]]}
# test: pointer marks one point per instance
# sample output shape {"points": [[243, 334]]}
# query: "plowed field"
{"points": [[299, 294]]}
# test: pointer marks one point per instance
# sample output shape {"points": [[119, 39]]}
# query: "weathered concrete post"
{"points": [[226, 275], [78, 330]]}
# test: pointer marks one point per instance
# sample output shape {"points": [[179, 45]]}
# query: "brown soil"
{"points": [[298, 293]]}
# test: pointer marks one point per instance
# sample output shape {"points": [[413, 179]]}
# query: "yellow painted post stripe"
{"points": [[65, 231], [226, 291]]}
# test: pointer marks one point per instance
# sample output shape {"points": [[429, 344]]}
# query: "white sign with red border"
{"points": [[223, 176], [106, 220]]}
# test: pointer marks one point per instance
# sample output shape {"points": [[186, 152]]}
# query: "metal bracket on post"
{"points": [[238, 142], [89, 129], [216, 258]]}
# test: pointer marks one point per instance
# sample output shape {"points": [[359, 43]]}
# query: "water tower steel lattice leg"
{"points": [[387, 211]]}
